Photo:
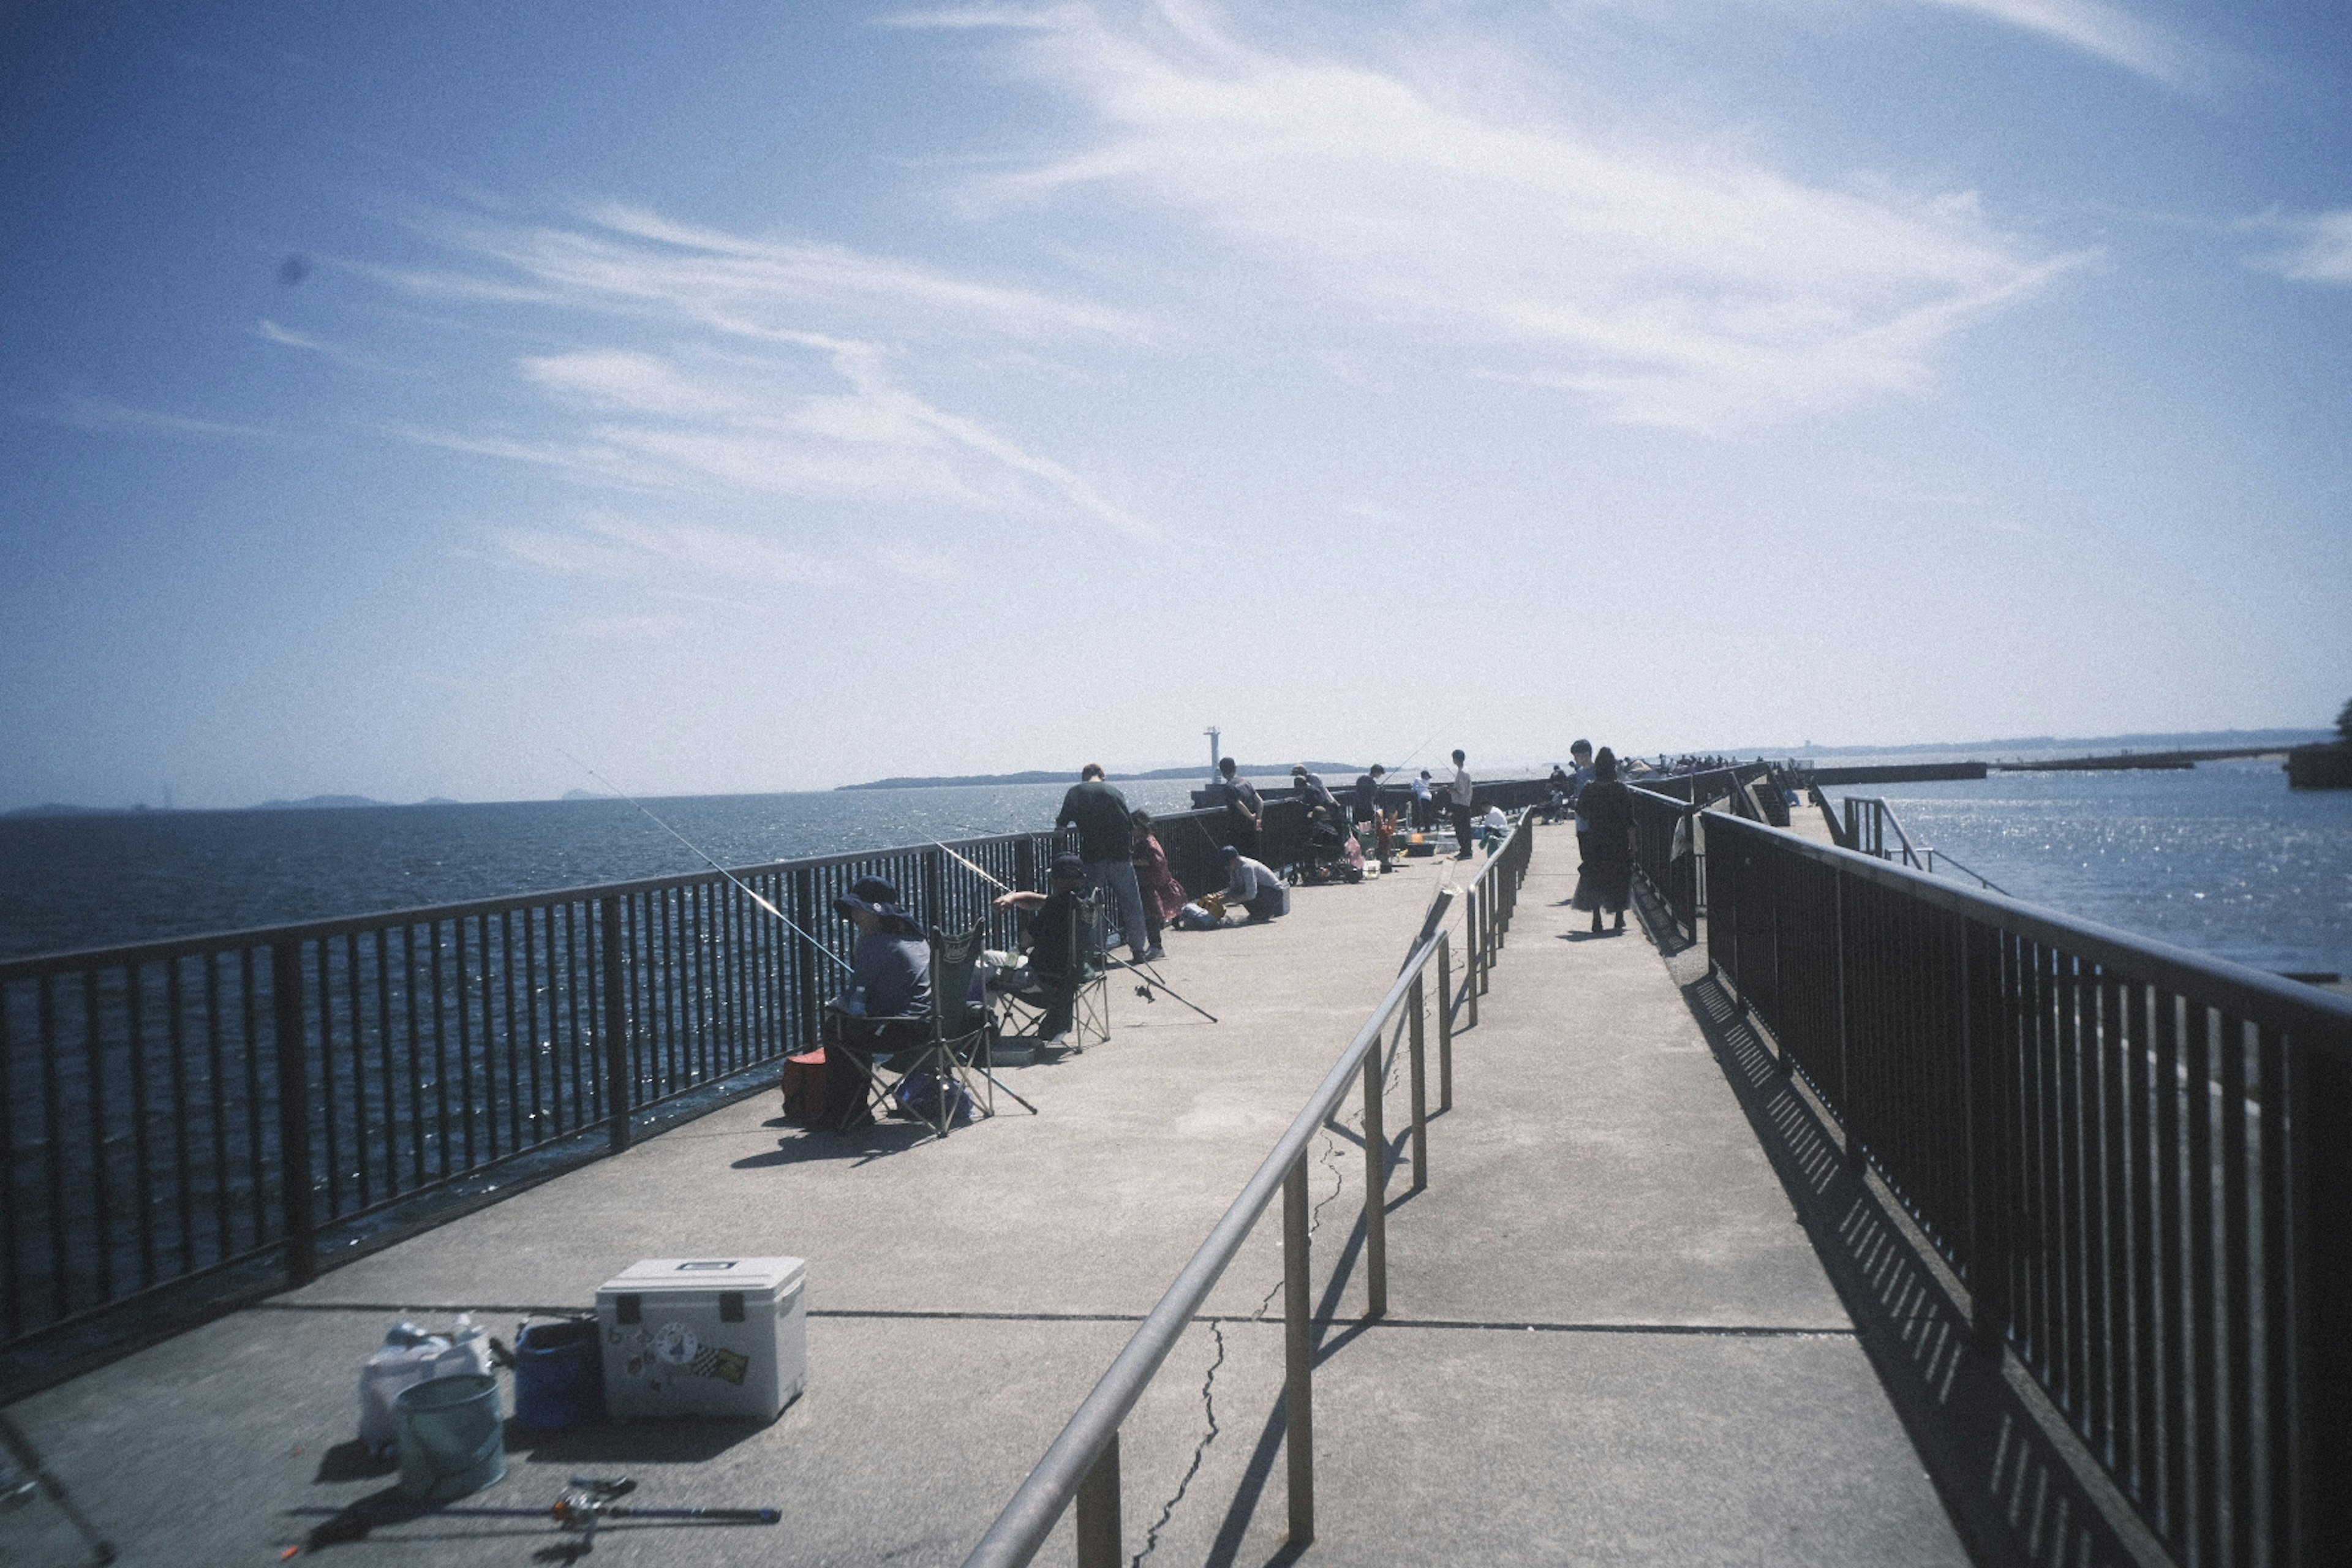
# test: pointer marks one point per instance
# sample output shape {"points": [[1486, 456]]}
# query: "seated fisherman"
{"points": [[1045, 976], [1254, 886], [885, 1008]]}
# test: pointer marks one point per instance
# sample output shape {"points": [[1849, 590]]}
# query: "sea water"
{"points": [[93, 881], [2222, 859]]}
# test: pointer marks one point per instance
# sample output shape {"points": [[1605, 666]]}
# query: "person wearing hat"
{"points": [[1253, 885], [1045, 976], [886, 1005]]}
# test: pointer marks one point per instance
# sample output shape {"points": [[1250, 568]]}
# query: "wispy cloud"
{"points": [[2322, 251], [762, 385], [286, 337], [86, 413], [1678, 283], [624, 549], [2095, 28]]}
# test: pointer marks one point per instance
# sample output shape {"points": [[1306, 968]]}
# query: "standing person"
{"points": [[1581, 754], [1163, 895], [1364, 804], [1461, 790], [1106, 844], [1605, 880], [1424, 809], [1244, 812]]}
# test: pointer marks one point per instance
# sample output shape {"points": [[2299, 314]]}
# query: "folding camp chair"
{"points": [[925, 1079], [1085, 990]]}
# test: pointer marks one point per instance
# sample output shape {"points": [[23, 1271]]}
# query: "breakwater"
{"points": [[219, 1114]]}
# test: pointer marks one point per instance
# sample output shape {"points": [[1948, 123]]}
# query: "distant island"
{"points": [[1070, 776]]}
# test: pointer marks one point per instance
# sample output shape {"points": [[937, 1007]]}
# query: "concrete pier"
{"points": [[1612, 1335]]}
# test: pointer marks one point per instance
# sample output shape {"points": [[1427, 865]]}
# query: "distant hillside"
{"points": [[1070, 776], [318, 803], [2187, 740]]}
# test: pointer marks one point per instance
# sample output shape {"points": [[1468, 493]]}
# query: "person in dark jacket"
{"points": [[1099, 813], [1244, 812], [1364, 804], [885, 1008], [1044, 979], [1605, 809]]}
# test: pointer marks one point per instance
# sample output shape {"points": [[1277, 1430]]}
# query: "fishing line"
{"points": [[741, 886]]}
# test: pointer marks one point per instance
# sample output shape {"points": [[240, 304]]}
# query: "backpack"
{"points": [[922, 1094]]}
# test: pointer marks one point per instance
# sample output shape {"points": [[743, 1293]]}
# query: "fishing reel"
{"points": [[588, 1499]]}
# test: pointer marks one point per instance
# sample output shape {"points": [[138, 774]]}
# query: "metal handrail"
{"points": [[2131, 1156], [1082, 1463], [1919, 856]]}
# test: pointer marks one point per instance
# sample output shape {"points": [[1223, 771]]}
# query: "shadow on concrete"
{"points": [[818, 1144], [680, 1442], [2012, 1494]]}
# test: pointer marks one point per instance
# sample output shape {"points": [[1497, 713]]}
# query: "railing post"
{"points": [[1984, 1056], [1470, 958], [293, 1112], [1099, 1528], [1444, 1022], [1376, 1191], [1855, 1154], [1420, 1097], [616, 1023], [1297, 1356]]}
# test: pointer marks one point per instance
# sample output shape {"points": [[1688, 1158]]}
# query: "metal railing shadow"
{"points": [[2007, 1486]]}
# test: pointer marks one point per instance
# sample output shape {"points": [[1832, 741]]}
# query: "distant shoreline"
{"points": [[1991, 752], [1070, 776]]}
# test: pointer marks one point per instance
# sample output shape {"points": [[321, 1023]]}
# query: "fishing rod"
{"points": [[1151, 975], [741, 886]]}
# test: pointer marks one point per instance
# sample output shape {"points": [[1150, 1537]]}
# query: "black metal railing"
{"points": [[1082, 1464], [2136, 1160], [173, 1109], [1669, 851]]}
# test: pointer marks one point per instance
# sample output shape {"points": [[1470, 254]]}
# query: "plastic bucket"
{"points": [[452, 1441], [559, 1374]]}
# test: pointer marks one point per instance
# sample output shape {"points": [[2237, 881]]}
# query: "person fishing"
{"points": [[885, 1006], [1044, 979]]}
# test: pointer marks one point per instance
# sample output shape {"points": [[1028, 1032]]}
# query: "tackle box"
{"points": [[704, 1336]]}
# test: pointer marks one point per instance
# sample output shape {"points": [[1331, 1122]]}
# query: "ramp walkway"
{"points": [[1609, 1338]]}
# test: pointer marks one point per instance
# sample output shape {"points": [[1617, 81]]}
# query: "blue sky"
{"points": [[745, 397]]}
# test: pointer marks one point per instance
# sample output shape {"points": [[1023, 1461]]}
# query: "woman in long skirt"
{"points": [[1606, 881], [1163, 895]]}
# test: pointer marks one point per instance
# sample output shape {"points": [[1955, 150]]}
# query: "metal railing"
{"points": [[1082, 1464], [175, 1109], [1869, 821], [1669, 851], [2136, 1158]]}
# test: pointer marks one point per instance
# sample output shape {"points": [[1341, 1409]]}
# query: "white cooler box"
{"points": [[704, 1336]]}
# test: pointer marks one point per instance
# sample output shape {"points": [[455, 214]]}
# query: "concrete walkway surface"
{"points": [[1610, 1338]]}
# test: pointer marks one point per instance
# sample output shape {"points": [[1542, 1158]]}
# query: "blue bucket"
{"points": [[559, 1374], [452, 1442]]}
